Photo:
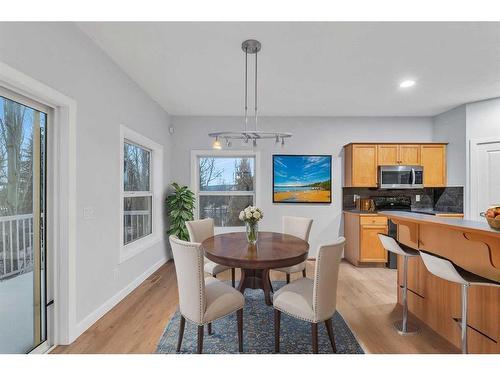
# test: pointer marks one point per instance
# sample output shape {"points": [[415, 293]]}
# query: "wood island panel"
{"points": [[437, 302]]}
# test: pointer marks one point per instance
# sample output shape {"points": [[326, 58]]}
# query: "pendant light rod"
{"points": [[250, 46], [256, 53], [246, 89]]}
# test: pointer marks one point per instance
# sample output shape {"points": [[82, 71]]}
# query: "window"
{"points": [[137, 193], [140, 202], [225, 185]]}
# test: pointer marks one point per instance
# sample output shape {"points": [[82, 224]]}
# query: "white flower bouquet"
{"points": [[251, 216]]}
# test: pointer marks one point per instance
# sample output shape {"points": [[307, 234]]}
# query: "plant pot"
{"points": [[252, 232]]}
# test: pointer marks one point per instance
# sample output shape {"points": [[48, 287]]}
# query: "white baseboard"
{"points": [[98, 313]]}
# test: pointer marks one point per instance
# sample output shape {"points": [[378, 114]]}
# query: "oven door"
{"points": [[398, 177]]}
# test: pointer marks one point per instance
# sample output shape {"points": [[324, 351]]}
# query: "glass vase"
{"points": [[252, 232]]}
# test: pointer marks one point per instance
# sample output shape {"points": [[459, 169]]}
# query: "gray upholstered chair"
{"points": [[202, 300], [314, 300], [299, 227], [199, 231]]}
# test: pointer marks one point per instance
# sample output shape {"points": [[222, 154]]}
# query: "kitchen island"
{"points": [[471, 245]]}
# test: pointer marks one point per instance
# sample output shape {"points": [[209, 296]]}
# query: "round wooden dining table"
{"points": [[272, 250]]}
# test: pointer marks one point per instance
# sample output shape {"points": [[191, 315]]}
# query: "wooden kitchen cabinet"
{"points": [[433, 159], [361, 161], [371, 249], [409, 154], [395, 154], [388, 154], [360, 165], [363, 247]]}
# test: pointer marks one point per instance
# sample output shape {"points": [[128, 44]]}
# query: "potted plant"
{"points": [[180, 206], [251, 216]]}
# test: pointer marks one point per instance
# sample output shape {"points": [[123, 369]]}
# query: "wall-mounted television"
{"points": [[302, 178]]}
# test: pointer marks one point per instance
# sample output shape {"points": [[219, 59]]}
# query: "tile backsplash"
{"points": [[448, 199]]}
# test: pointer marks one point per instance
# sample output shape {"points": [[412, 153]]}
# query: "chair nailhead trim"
{"points": [[316, 278], [202, 280]]}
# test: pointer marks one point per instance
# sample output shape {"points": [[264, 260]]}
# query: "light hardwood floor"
{"points": [[366, 300]]}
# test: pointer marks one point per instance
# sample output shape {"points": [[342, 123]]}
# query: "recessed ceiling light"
{"points": [[407, 83]]}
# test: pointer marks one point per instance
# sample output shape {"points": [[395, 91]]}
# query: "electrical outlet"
{"points": [[417, 198], [88, 213]]}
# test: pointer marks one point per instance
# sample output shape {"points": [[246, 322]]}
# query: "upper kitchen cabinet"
{"points": [[360, 162], [398, 154], [433, 159], [409, 154], [388, 154]]}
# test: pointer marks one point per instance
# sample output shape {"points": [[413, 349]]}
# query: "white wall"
{"points": [[450, 127], [483, 119], [312, 135], [61, 56], [459, 126], [482, 123]]}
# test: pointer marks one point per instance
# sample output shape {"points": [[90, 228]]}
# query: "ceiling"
{"points": [[308, 69]]}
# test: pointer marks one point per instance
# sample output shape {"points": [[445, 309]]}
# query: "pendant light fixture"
{"points": [[249, 47]]}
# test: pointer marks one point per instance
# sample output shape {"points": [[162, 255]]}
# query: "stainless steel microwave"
{"points": [[400, 177]]}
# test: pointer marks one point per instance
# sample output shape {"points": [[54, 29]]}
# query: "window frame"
{"points": [[128, 251], [195, 176]]}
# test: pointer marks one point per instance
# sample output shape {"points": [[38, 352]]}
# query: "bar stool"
{"points": [[446, 270], [390, 244]]}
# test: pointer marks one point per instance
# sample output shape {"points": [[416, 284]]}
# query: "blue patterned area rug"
{"points": [[258, 332]]}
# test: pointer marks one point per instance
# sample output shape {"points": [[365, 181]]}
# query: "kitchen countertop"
{"points": [[426, 211], [361, 212], [452, 223]]}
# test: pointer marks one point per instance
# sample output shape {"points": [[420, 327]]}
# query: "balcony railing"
{"points": [[16, 248], [16, 240]]}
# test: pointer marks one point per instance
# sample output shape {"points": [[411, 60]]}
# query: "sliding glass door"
{"points": [[23, 318]]}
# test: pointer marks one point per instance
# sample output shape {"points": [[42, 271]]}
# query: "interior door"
{"points": [[23, 318], [485, 177]]}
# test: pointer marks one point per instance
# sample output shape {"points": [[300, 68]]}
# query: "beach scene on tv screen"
{"points": [[302, 179]]}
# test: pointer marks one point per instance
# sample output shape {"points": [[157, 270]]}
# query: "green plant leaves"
{"points": [[180, 207]]}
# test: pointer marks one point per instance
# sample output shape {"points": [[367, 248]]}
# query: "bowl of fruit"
{"points": [[492, 215]]}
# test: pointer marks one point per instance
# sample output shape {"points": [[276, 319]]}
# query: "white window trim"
{"points": [[156, 181], [61, 178], [195, 175]]}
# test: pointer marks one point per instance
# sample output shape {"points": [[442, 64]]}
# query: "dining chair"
{"points": [[199, 231], [202, 300], [313, 300], [299, 227]]}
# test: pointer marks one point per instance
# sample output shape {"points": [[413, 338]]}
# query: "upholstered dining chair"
{"points": [[314, 301], [299, 227], [202, 299], [199, 231]]}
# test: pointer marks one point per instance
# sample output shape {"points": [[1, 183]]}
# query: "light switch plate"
{"points": [[417, 198], [88, 213]]}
